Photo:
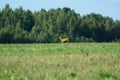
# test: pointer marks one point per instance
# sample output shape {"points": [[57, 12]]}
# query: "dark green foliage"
{"points": [[107, 75], [73, 74], [6, 35], [24, 26]]}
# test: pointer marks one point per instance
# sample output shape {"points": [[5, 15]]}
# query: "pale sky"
{"points": [[109, 8]]}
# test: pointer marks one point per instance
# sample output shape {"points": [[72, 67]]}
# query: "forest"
{"points": [[46, 26]]}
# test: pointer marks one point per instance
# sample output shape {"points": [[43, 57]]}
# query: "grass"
{"points": [[72, 48], [72, 61]]}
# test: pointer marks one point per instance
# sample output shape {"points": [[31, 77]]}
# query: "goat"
{"points": [[64, 40]]}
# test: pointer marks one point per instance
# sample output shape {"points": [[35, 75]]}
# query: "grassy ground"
{"points": [[69, 48], [72, 61]]}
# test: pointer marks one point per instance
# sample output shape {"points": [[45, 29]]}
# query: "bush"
{"points": [[84, 39]]}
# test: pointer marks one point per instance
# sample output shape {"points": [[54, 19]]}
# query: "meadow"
{"points": [[69, 61]]}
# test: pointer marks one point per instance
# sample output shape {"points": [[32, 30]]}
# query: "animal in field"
{"points": [[64, 40]]}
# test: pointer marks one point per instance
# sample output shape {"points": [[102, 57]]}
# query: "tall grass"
{"points": [[69, 48], [60, 67], [71, 61]]}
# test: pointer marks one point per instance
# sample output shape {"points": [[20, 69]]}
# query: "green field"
{"points": [[69, 61]]}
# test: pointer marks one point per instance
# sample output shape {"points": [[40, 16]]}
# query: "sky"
{"points": [[109, 8]]}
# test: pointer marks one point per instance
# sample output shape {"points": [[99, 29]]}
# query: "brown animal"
{"points": [[64, 40]]}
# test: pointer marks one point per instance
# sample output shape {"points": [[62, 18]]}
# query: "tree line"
{"points": [[25, 26]]}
